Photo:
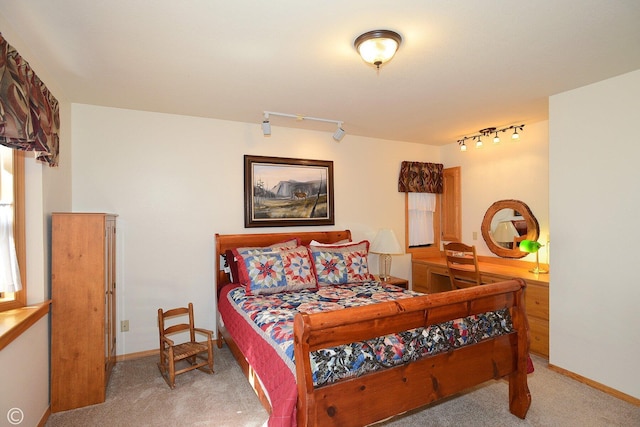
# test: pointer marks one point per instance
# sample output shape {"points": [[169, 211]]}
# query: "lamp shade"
{"points": [[385, 242], [505, 232], [530, 246]]}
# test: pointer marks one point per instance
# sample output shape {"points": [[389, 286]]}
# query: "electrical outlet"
{"points": [[475, 235], [124, 326]]}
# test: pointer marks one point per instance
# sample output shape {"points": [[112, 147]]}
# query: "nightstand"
{"points": [[403, 283]]}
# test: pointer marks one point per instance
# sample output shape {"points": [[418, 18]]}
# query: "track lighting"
{"points": [[266, 125], [487, 132]]}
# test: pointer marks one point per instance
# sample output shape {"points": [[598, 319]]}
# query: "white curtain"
{"points": [[9, 271], [421, 208]]}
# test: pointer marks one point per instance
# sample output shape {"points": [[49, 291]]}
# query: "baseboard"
{"points": [[138, 355], [611, 391], [45, 417]]}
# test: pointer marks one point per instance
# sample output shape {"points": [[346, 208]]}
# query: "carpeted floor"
{"points": [[138, 396]]}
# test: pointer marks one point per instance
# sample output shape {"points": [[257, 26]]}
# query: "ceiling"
{"points": [[463, 65]]}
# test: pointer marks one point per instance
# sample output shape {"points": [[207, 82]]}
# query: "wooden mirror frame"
{"points": [[533, 229]]}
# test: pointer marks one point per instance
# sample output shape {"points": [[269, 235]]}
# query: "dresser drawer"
{"points": [[537, 301], [487, 278], [419, 274], [539, 336]]}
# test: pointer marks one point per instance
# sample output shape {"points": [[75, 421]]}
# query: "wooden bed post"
{"points": [[303, 369], [519, 394]]}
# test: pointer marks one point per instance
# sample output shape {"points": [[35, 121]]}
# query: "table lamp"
{"points": [[504, 234], [531, 247], [385, 244]]}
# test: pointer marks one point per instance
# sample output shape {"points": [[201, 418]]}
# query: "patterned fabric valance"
{"points": [[418, 177], [29, 113]]}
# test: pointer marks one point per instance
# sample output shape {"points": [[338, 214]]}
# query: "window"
{"points": [[12, 189], [421, 207], [446, 217], [424, 251]]}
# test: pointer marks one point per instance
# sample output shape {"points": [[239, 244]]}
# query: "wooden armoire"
{"points": [[83, 310]]}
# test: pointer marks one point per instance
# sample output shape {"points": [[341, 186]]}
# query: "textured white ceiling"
{"points": [[463, 65]]}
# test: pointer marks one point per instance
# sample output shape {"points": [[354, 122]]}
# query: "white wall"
{"points": [[175, 181], [24, 370], [508, 170], [593, 162]]}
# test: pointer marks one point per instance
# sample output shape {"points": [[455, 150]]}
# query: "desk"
{"points": [[430, 275]]}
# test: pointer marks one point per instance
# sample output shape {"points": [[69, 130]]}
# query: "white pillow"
{"points": [[340, 243]]}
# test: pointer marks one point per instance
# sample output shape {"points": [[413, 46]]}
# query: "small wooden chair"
{"points": [[462, 264], [190, 351]]}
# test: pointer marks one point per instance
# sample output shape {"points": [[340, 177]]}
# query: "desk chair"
{"points": [[192, 352], [462, 263]]}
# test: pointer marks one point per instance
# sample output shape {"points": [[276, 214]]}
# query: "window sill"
{"points": [[16, 321]]}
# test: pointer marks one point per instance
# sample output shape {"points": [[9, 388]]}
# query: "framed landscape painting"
{"points": [[281, 192]]}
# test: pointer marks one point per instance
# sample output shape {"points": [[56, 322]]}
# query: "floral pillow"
{"points": [[232, 260], [336, 265], [272, 270]]}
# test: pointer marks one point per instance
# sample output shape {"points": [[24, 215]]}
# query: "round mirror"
{"points": [[506, 223]]}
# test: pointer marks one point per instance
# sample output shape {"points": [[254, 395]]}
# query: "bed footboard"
{"points": [[379, 395]]}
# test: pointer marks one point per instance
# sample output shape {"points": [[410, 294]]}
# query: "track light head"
{"points": [[266, 126], [339, 133]]}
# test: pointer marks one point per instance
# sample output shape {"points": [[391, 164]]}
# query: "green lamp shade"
{"points": [[530, 246]]}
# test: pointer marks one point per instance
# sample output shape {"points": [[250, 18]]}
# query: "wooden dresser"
{"points": [[430, 275], [83, 309]]}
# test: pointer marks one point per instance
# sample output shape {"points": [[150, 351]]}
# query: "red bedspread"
{"points": [[278, 379]]}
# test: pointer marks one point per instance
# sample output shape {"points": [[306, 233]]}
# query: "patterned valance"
{"points": [[418, 177], [29, 113]]}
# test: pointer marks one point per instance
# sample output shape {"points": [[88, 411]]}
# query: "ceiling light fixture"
{"points": [[487, 132], [378, 46], [266, 126]]}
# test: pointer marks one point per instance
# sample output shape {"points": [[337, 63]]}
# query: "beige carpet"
{"points": [[138, 396]]}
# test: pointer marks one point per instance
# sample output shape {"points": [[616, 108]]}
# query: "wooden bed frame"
{"points": [[379, 395]]}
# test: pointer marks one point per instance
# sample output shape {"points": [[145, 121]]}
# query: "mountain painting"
{"points": [[290, 192]]}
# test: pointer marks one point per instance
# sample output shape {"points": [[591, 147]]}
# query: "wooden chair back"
{"points": [[462, 263]]}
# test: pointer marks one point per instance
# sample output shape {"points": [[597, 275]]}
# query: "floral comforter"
{"points": [[272, 317]]}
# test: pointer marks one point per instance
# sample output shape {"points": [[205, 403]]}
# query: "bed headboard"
{"points": [[231, 241]]}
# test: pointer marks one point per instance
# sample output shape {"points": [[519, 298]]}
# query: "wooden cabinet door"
{"points": [[451, 205]]}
